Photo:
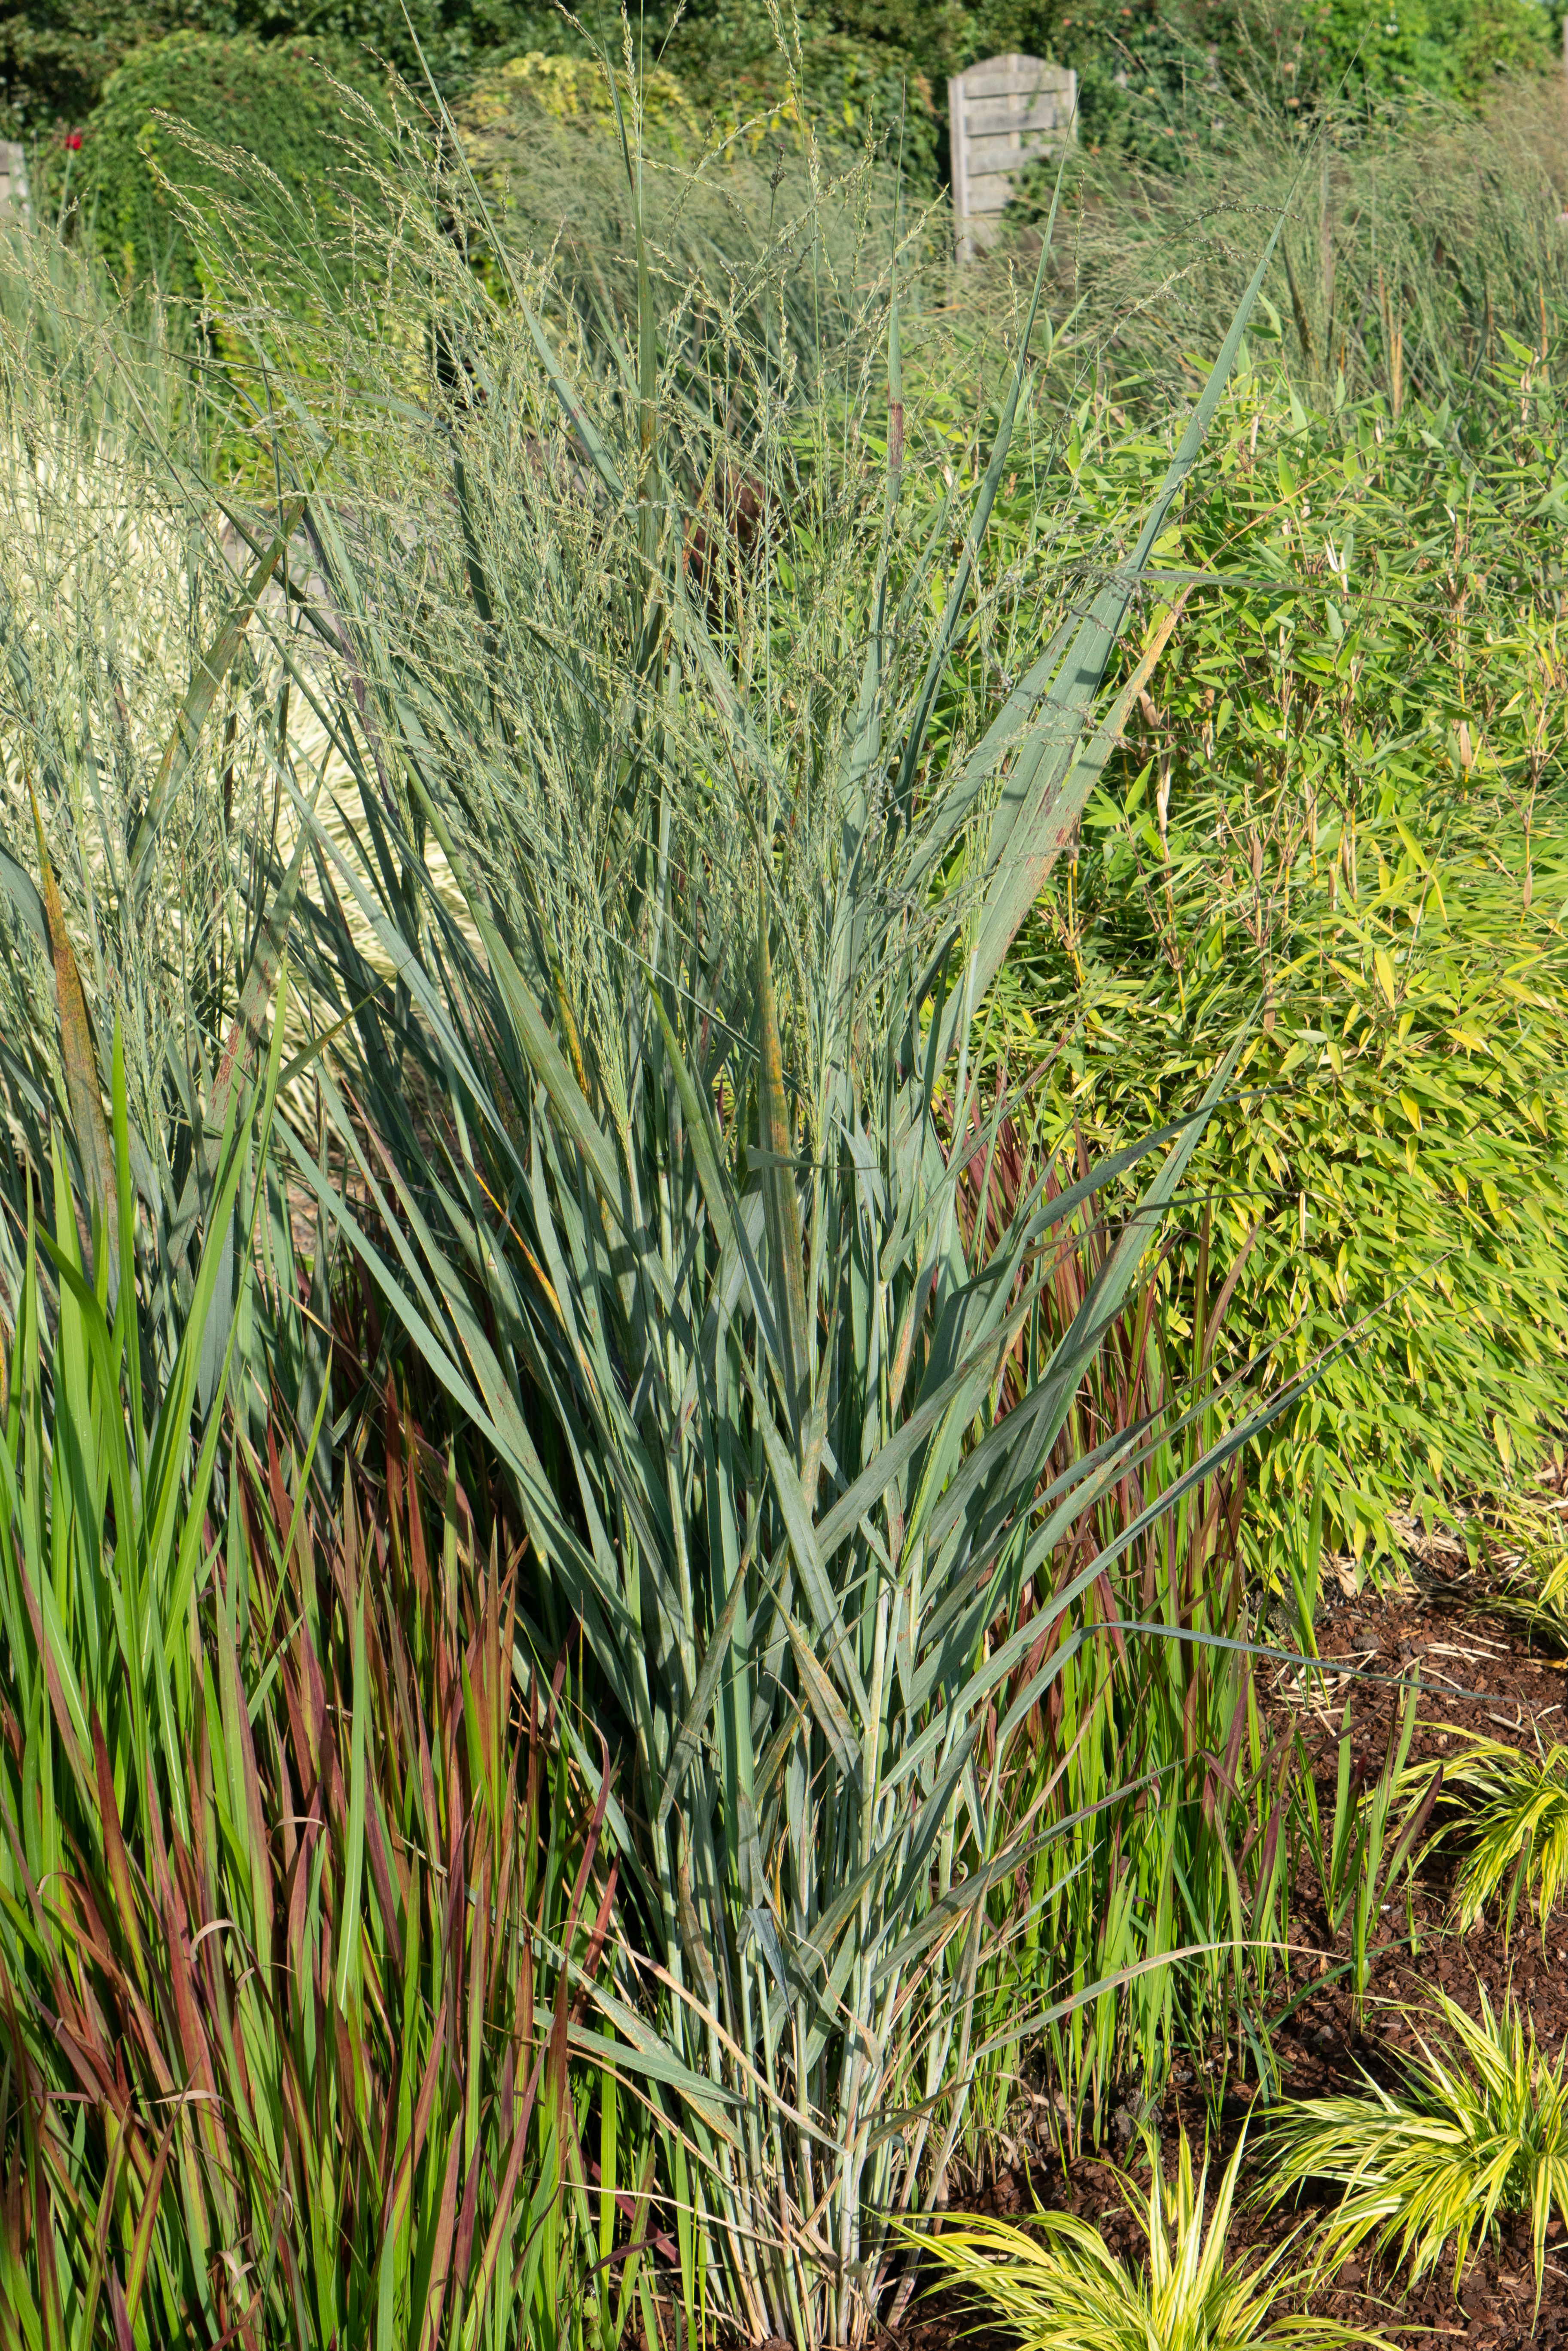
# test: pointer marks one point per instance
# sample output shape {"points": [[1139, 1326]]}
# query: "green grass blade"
{"points": [[1038, 814], [201, 694]]}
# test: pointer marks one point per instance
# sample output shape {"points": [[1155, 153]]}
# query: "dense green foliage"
{"points": [[56, 55], [1342, 809], [273, 98], [1340, 805], [1452, 48], [1160, 80], [898, 1007]]}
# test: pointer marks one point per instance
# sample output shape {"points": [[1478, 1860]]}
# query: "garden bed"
{"points": [[1482, 1673]]}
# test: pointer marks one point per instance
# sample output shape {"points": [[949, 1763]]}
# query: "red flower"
{"points": [[73, 140]]}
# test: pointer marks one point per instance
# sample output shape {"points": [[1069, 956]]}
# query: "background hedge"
{"points": [[1155, 74], [274, 98]]}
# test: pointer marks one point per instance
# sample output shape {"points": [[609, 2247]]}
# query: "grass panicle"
{"points": [[1423, 239]]}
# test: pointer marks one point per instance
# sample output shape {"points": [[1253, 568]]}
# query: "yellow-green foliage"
{"points": [[1339, 813], [845, 90], [730, 194], [1480, 2130], [1064, 2290], [848, 91], [1515, 1821], [577, 91]]}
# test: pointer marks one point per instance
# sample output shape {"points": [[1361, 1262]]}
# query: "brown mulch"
{"points": [[1480, 1673]]}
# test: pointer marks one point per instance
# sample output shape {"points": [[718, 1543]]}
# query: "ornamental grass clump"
{"points": [[295, 1864], [1477, 2131], [1423, 241], [297, 1873], [1514, 1823], [1151, 1916], [1056, 2286], [655, 1177]]}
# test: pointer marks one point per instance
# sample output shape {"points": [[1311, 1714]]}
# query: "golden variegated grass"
{"points": [[1478, 2129], [1056, 2286], [1511, 1821]]}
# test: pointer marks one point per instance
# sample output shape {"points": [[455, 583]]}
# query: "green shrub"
{"points": [[57, 55], [735, 107], [1371, 707], [1452, 48], [1340, 809], [575, 92], [274, 99]]}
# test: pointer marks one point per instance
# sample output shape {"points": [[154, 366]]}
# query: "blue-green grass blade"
{"points": [[201, 693], [1040, 823], [782, 1201], [990, 483]]}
